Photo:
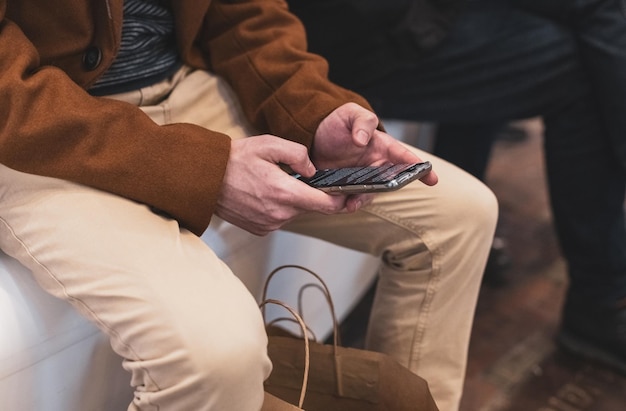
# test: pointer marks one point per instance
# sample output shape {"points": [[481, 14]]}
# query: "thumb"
{"points": [[363, 125]]}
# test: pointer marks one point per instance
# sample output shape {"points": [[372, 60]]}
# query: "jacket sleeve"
{"points": [[50, 126], [260, 48]]}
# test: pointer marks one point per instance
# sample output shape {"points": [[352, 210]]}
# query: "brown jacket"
{"points": [[52, 50]]}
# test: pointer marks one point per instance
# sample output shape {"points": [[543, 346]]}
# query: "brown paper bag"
{"points": [[340, 378]]}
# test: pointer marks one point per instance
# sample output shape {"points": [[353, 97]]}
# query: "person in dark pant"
{"points": [[474, 66]]}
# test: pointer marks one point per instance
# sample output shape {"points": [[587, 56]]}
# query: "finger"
{"points": [[430, 179], [356, 202], [311, 199], [364, 124], [399, 153], [292, 154], [395, 151]]}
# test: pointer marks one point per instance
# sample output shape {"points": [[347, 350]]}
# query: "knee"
{"points": [[231, 359], [231, 364], [483, 207], [209, 362], [473, 203]]}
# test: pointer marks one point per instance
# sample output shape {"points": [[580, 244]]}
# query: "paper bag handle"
{"points": [[324, 288], [305, 378]]}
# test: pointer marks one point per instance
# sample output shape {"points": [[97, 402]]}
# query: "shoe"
{"points": [[596, 335]]}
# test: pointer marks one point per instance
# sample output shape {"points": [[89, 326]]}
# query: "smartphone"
{"points": [[370, 179]]}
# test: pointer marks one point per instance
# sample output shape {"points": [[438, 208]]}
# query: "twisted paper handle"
{"points": [[305, 378], [324, 288]]}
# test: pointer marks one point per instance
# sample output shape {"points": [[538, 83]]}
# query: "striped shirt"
{"points": [[148, 48]]}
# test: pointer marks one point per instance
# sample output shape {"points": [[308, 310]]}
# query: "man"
{"points": [[474, 65], [122, 135]]}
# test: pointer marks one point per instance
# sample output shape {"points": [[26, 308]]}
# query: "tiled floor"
{"points": [[514, 364]]}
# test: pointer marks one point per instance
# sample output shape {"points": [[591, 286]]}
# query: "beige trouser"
{"points": [[189, 331]]}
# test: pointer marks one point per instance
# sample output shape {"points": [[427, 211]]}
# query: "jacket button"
{"points": [[92, 58]]}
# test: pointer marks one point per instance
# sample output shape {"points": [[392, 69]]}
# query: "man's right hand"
{"points": [[258, 196]]}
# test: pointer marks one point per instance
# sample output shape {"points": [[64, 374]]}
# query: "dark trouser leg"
{"points": [[586, 185], [589, 208], [587, 188], [602, 41], [466, 145]]}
